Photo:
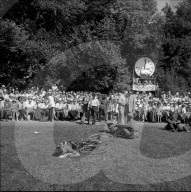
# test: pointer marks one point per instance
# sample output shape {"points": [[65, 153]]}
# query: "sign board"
{"points": [[141, 87], [144, 67]]}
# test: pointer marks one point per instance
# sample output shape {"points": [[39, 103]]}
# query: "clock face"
{"points": [[144, 67]]}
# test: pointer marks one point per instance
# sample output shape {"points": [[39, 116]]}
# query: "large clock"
{"points": [[144, 67]]}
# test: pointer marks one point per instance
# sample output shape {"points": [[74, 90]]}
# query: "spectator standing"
{"points": [[159, 112], [37, 110], [121, 101], [15, 110], [59, 110], [110, 109], [7, 109], [22, 110], [51, 107], [1, 108], [132, 105], [84, 109], [103, 108], [30, 108], [94, 106]]}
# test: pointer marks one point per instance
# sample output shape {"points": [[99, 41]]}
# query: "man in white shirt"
{"points": [[51, 106], [30, 107], [94, 105], [59, 109], [183, 113]]}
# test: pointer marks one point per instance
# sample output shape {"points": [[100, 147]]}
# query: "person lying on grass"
{"points": [[175, 125], [65, 150], [128, 131]]}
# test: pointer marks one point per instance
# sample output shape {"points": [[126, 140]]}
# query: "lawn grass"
{"points": [[156, 143]]}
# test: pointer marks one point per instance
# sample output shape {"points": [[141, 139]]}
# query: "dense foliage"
{"points": [[87, 44], [175, 52]]}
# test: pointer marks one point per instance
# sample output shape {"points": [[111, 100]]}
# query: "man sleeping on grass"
{"points": [[128, 131], [175, 125], [64, 150]]}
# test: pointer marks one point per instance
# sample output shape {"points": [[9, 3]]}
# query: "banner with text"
{"points": [[141, 87]]}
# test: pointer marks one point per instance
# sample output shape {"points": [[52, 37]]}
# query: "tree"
{"points": [[55, 26], [175, 51], [143, 30], [93, 64]]}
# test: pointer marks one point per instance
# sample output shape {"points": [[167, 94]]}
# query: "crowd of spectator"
{"points": [[53, 104]]}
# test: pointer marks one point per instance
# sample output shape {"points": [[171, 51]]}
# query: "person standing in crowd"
{"points": [[1, 96], [44, 110], [110, 109], [51, 107], [84, 109], [37, 111], [103, 108], [73, 113], [1, 109], [188, 113], [132, 105], [15, 110], [89, 115], [59, 110], [166, 110], [121, 108], [140, 111], [93, 105], [65, 109], [159, 112], [7, 109], [22, 110], [183, 111], [126, 94], [145, 111], [115, 110], [30, 108]]}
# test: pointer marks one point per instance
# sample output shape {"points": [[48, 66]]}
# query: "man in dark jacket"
{"points": [[103, 108]]}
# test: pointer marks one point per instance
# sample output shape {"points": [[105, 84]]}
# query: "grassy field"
{"points": [[155, 144]]}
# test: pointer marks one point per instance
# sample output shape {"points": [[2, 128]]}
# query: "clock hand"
{"points": [[145, 63]]}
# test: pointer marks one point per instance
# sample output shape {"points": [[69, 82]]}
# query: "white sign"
{"points": [[141, 87]]}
